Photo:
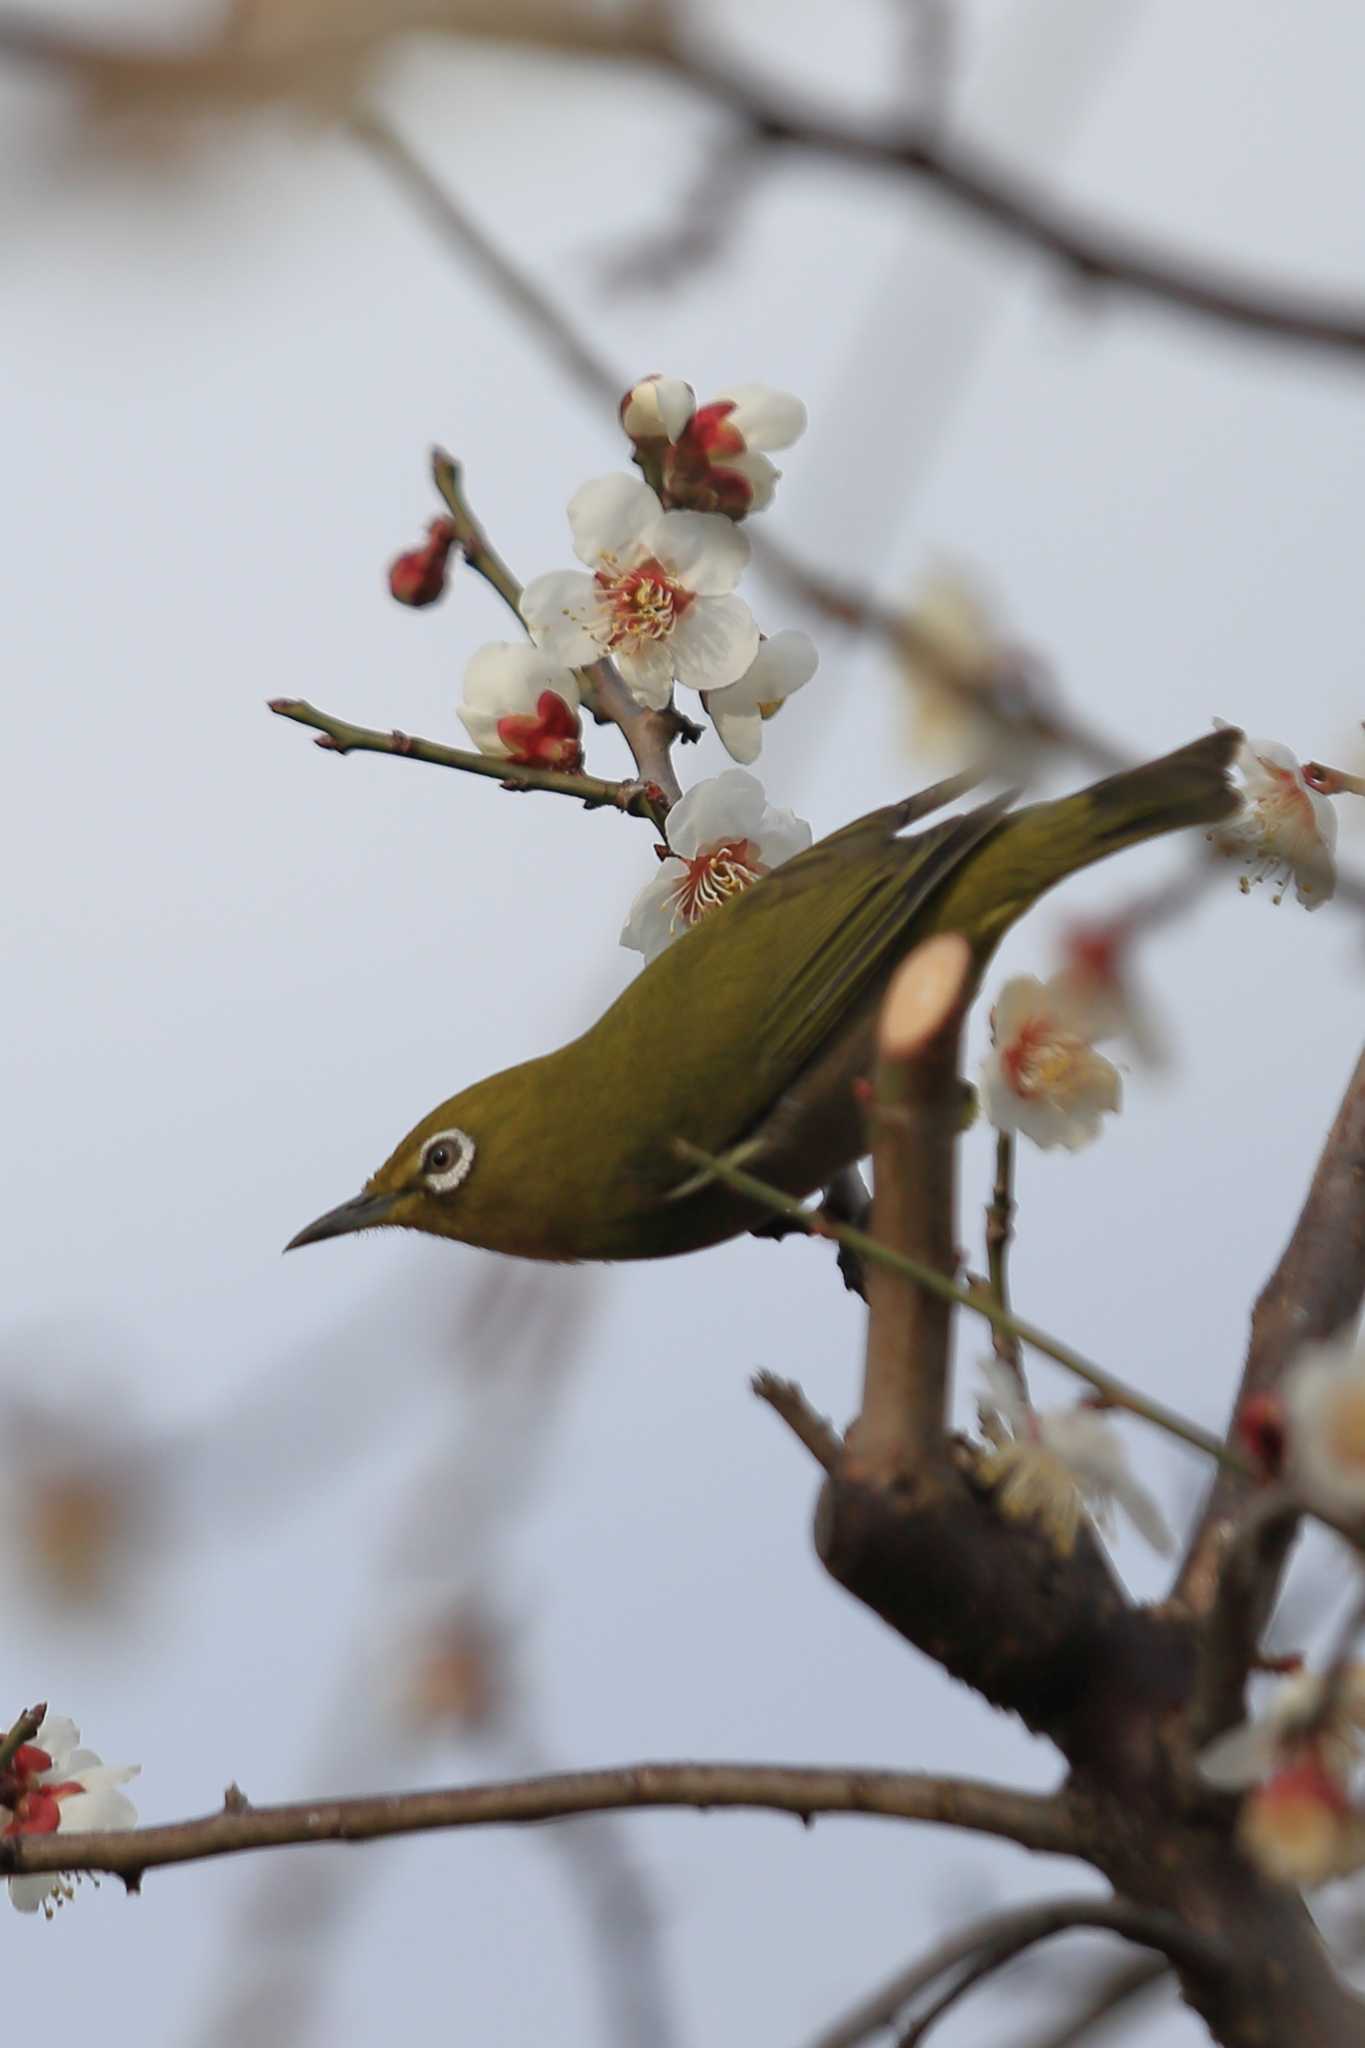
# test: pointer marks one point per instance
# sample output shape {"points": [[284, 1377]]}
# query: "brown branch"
{"points": [[1004, 200], [1232, 1630], [786, 1399], [1031, 1924], [1128, 1985], [804, 1791], [1315, 1290], [636, 799], [999, 1236], [24, 1730], [994, 1940], [916, 1122]]}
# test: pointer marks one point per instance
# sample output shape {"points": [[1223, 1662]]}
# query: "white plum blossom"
{"points": [[720, 460], [519, 705], [1297, 1758], [781, 667], [1053, 1468], [658, 599], [1044, 1077], [1324, 1402], [1266, 1742], [1286, 830], [723, 835], [969, 685], [51, 1784], [657, 408]]}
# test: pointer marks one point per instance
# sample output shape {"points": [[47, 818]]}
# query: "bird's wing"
{"points": [[856, 917]]}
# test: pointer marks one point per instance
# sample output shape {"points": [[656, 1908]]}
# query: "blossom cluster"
{"points": [[662, 557], [51, 1785]]}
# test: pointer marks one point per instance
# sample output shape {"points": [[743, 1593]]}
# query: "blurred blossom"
{"points": [[1299, 1826], [1052, 1469], [1265, 1742], [1324, 1404], [1096, 982], [1044, 1078], [454, 1677], [971, 691]]}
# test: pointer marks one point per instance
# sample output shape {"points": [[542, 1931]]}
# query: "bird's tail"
{"points": [[1031, 850]]}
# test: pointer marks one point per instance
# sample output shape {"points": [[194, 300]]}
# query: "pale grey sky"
{"points": [[237, 969]]}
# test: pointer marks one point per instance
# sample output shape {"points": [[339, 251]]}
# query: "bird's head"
{"points": [[419, 1186]]}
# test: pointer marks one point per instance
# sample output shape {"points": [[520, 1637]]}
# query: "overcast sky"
{"points": [[237, 970]]}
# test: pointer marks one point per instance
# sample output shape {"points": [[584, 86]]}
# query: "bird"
{"points": [[747, 1036]]}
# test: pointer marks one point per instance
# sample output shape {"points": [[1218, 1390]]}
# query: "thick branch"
{"points": [[339, 737], [916, 1120], [1035, 1823], [1315, 1290]]}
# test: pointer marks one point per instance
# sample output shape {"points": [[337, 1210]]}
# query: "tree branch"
{"points": [[994, 1941], [969, 179], [916, 1120], [1116, 1393], [1031, 1924], [1035, 1823], [636, 799], [1315, 1290], [1128, 1985]]}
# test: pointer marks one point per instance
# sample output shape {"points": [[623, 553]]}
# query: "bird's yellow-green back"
{"points": [[571, 1156]]}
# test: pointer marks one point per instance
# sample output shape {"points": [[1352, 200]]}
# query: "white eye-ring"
{"points": [[446, 1160]]}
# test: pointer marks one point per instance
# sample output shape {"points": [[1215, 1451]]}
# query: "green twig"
{"points": [[637, 799], [1116, 1394]]}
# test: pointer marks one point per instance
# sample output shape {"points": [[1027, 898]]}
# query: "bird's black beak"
{"points": [[362, 1212]]}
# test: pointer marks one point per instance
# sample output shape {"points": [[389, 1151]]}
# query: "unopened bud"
{"points": [[657, 408], [419, 577]]}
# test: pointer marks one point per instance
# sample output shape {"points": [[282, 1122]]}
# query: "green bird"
{"points": [[747, 1034]]}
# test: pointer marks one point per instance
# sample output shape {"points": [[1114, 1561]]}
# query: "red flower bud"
{"points": [[1261, 1428], [419, 577]]}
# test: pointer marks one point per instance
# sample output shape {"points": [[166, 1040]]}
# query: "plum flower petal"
{"points": [[1286, 830], [50, 1786], [1324, 1409], [718, 464], [1044, 1077], [1053, 1468], [782, 666], [657, 408], [658, 599], [723, 836], [522, 706], [971, 689], [1259, 1746]]}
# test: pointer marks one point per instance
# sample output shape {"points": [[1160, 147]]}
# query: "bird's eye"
{"points": [[446, 1160]]}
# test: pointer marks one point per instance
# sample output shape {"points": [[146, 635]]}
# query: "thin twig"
{"points": [[999, 1235], [1044, 1824], [1128, 1985], [993, 1941], [24, 1730], [820, 1437], [1115, 1392], [636, 799], [1170, 1937]]}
